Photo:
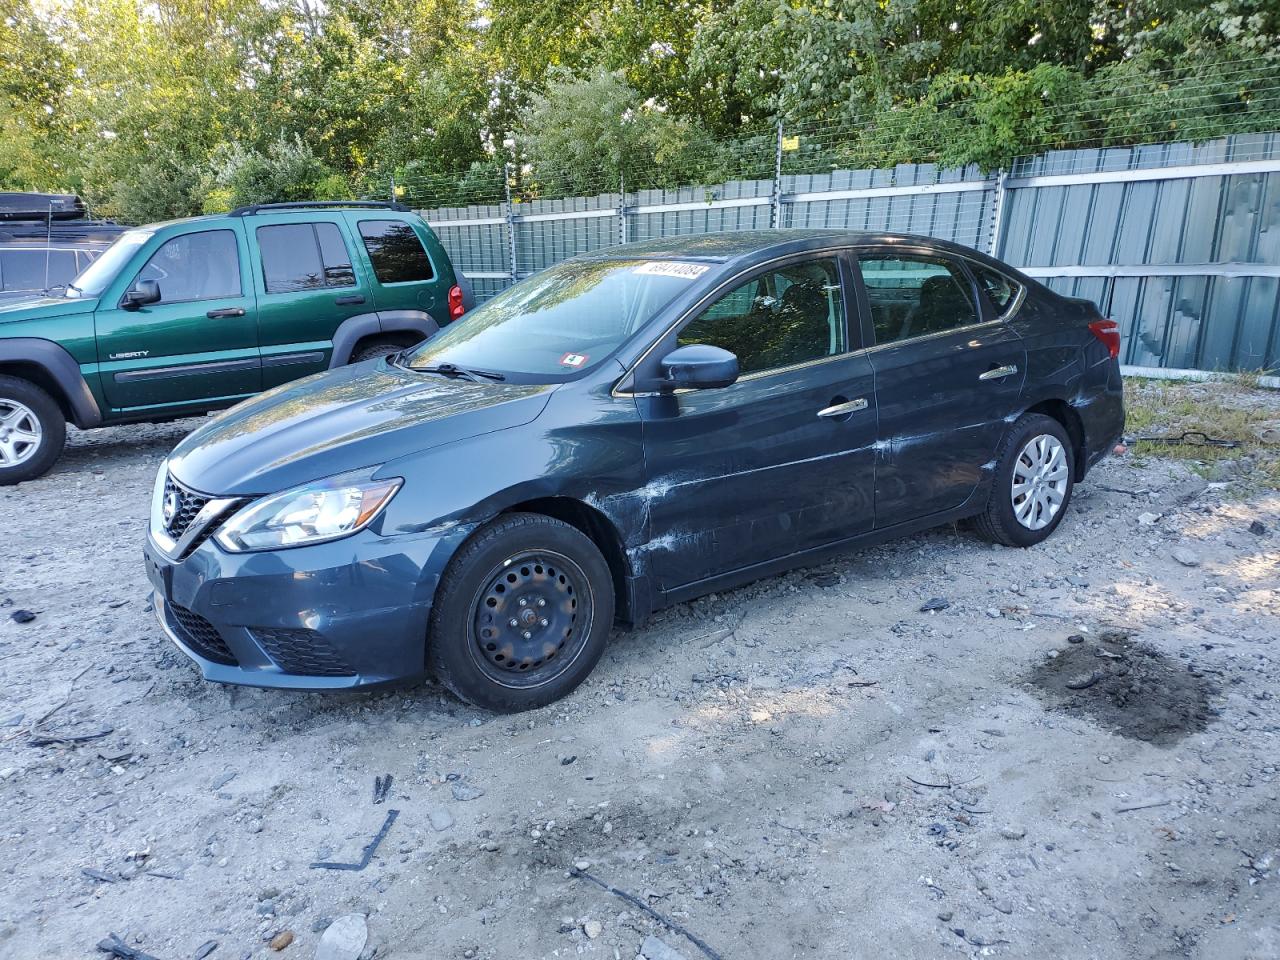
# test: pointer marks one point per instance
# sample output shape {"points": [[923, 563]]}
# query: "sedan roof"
{"points": [[759, 244]]}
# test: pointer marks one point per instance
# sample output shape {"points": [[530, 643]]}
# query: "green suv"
{"points": [[180, 318]]}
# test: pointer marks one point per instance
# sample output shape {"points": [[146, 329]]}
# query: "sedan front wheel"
{"points": [[521, 615]]}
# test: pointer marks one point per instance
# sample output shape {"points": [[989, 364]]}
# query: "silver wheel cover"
{"points": [[1040, 477]]}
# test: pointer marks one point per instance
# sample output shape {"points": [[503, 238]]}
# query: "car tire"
{"points": [[28, 411], [380, 348], [521, 615], [1038, 457]]}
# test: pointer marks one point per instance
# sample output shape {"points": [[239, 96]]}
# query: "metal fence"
{"points": [[1179, 242]]}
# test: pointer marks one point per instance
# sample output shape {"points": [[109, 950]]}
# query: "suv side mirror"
{"points": [[142, 293], [699, 366]]}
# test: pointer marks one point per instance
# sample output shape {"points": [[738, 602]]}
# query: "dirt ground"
{"points": [[1076, 756]]}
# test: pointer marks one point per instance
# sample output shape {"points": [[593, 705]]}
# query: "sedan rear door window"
{"points": [[395, 251], [912, 296], [787, 316]]}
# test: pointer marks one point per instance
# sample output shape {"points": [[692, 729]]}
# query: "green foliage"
{"points": [[286, 171], [170, 107]]}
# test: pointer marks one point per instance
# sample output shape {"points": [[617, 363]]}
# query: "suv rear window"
{"points": [[304, 256], [395, 251]]}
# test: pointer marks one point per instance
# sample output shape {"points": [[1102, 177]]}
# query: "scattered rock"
{"points": [[1258, 528], [440, 820], [655, 949], [222, 779], [465, 791], [1186, 557], [1013, 833], [344, 939], [934, 604], [1148, 519], [593, 929], [281, 940], [22, 616], [205, 949], [1076, 638]]}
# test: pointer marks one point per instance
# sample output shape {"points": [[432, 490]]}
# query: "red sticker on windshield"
{"points": [[573, 359]]}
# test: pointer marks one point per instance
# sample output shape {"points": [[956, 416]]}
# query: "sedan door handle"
{"points": [[349, 300], [999, 373], [225, 312], [842, 409]]}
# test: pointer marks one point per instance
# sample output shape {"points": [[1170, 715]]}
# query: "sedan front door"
{"points": [[947, 378], [781, 461]]}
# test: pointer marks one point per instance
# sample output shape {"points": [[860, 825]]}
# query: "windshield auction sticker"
{"points": [[573, 360], [672, 268]]}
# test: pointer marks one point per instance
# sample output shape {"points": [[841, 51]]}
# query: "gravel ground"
{"points": [[1076, 756]]}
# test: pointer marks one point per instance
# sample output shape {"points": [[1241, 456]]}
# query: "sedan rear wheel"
{"points": [[1032, 485], [521, 615]]}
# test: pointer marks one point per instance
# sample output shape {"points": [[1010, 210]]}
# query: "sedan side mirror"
{"points": [[699, 366], [142, 293]]}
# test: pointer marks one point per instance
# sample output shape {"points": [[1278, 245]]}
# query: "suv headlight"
{"points": [[312, 513]]}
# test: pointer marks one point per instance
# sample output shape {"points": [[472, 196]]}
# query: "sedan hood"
{"points": [[346, 419]]}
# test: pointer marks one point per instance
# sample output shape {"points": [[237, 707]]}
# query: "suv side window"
{"points": [[304, 256], [196, 266], [28, 270], [787, 316], [395, 251], [913, 295]]}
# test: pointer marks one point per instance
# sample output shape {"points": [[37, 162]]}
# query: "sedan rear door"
{"points": [[947, 374]]}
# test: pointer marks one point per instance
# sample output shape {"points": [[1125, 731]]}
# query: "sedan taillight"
{"points": [[456, 306], [1108, 331]]}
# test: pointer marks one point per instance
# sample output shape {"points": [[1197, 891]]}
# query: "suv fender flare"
{"points": [[60, 367], [354, 329]]}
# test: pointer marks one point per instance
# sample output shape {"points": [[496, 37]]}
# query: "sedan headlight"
{"points": [[313, 513]]}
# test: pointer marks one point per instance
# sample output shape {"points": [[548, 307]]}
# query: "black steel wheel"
{"points": [[522, 613], [532, 615]]}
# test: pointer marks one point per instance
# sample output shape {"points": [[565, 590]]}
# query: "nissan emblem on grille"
{"points": [[170, 506]]}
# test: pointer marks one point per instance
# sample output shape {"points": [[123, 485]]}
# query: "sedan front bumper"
{"points": [[333, 616]]}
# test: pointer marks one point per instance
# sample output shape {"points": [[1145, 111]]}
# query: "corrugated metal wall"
{"points": [[1179, 242], [1211, 313]]}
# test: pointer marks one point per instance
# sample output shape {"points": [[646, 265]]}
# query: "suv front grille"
{"points": [[302, 652], [200, 635]]}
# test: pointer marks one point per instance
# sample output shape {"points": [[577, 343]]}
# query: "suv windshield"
{"points": [[560, 322], [95, 277]]}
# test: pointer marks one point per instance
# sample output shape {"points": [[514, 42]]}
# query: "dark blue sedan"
{"points": [[621, 432]]}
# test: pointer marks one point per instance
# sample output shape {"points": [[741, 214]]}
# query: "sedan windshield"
{"points": [[560, 322], [94, 278]]}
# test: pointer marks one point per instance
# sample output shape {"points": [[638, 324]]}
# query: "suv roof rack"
{"points": [[253, 208]]}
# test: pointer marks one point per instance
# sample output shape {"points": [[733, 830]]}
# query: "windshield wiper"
{"points": [[452, 370]]}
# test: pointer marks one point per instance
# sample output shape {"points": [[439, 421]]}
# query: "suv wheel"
{"points": [[521, 615], [379, 348], [32, 431], [1035, 475]]}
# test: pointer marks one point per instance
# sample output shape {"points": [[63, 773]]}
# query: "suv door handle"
{"points": [[225, 312], [999, 373], [349, 300], [844, 408]]}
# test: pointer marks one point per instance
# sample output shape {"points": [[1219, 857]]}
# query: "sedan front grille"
{"points": [[200, 635], [181, 506], [302, 652]]}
